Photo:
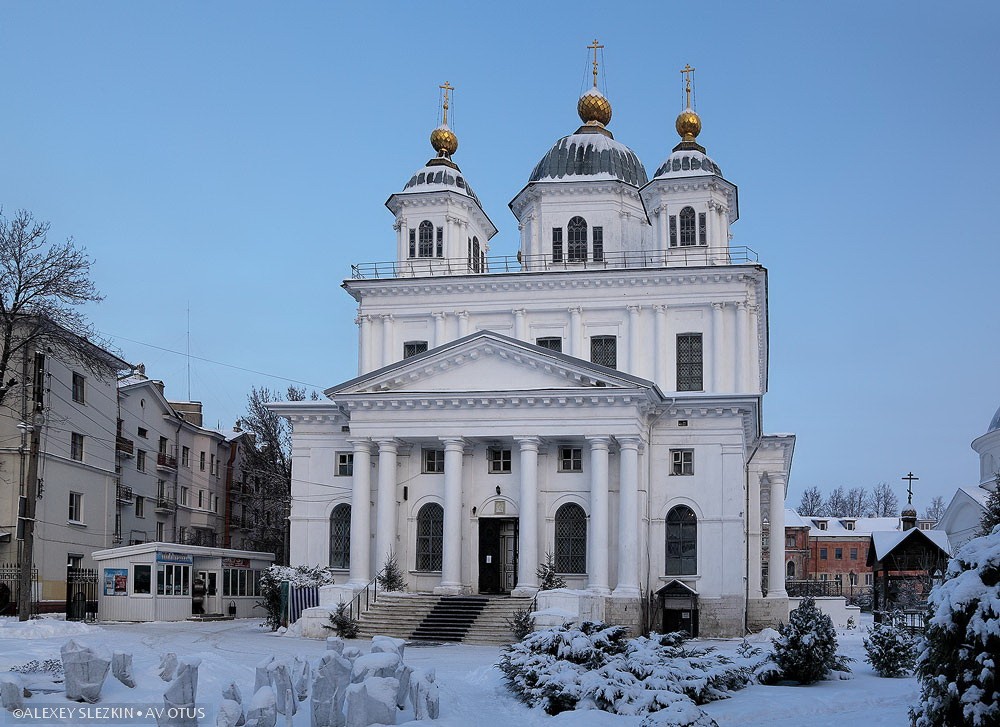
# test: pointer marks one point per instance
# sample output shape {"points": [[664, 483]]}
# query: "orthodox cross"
{"points": [[909, 487], [686, 71], [594, 47], [446, 88]]}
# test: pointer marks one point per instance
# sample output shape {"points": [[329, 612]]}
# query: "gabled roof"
{"points": [[885, 542], [676, 588], [542, 369]]}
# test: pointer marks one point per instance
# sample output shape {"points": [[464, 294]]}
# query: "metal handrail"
{"points": [[369, 590], [698, 255]]}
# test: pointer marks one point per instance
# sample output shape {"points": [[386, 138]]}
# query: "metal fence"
{"points": [[81, 594], [798, 589], [10, 587]]}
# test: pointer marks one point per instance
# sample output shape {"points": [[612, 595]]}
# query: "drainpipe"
{"points": [[746, 579]]}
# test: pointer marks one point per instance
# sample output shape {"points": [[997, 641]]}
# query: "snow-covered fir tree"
{"points": [[806, 651], [890, 649], [957, 668]]}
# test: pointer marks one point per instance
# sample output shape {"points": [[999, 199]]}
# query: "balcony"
{"points": [[675, 257], [165, 503], [166, 462], [124, 447], [124, 494], [813, 588]]}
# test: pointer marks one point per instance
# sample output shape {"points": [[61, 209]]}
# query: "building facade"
{"points": [[597, 397], [963, 517]]}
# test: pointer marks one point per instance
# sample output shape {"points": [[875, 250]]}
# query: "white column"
{"points": [[463, 323], [742, 350], [385, 503], [439, 323], [634, 336], [576, 332], [361, 513], [597, 545], [527, 543], [388, 345], [664, 240], [776, 542], [718, 369], [660, 347], [520, 324], [451, 562], [365, 344], [628, 519]]}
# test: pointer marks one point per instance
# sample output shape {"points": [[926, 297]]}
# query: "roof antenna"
{"points": [[189, 349]]}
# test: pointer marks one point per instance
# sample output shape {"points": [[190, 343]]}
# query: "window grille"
{"points": [[604, 351], [702, 229], [598, 235], [413, 242], [682, 541], [439, 250], [340, 537], [689, 362], [557, 245], [426, 246], [576, 248], [477, 263], [412, 348], [430, 537], [571, 539], [553, 343], [673, 230], [687, 227]]}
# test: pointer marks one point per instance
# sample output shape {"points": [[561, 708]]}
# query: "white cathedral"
{"points": [[598, 398]]}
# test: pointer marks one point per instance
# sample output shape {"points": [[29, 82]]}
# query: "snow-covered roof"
{"points": [[437, 177], [884, 542], [687, 163], [840, 525], [794, 520], [589, 155]]}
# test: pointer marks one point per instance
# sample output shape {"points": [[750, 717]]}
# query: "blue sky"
{"points": [[234, 158]]}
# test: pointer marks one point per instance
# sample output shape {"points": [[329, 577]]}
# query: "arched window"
{"points": [[688, 229], [340, 537], [426, 246], [476, 259], [790, 569], [576, 248], [571, 539], [682, 541], [430, 534]]}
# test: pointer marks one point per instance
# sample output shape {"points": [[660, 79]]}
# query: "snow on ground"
{"points": [[472, 690]]}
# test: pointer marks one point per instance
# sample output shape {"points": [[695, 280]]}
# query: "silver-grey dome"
{"points": [[437, 177], [590, 156], [686, 163], [995, 422]]}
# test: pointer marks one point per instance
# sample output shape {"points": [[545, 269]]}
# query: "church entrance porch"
{"points": [[497, 554]]}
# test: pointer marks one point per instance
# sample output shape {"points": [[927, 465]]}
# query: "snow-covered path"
{"points": [[472, 690]]}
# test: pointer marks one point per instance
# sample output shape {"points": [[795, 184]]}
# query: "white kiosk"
{"points": [[172, 582]]}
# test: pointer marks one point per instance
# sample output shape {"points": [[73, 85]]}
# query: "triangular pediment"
{"points": [[488, 361]]}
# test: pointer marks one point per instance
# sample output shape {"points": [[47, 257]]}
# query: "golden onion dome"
{"points": [[594, 108], [444, 141], [688, 124]]}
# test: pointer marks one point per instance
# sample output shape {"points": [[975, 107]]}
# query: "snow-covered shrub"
{"points": [[957, 667], [548, 578], [343, 623], [52, 667], [806, 651], [556, 668], [298, 575], [891, 649], [521, 623], [390, 578]]}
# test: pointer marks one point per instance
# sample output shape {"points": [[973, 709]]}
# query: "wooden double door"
{"points": [[497, 554]]}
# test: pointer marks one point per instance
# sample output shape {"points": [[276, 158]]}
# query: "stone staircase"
{"points": [[426, 617]]}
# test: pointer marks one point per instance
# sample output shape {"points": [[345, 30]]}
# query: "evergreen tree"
{"points": [[891, 649], [548, 577], [991, 518], [957, 668], [391, 576], [806, 651], [342, 622]]}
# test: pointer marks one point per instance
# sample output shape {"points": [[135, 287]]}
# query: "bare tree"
{"points": [[812, 502], [936, 509], [884, 502], [857, 501], [41, 286], [836, 503]]}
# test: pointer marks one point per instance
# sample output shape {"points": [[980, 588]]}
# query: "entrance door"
{"points": [[497, 554], [210, 593]]}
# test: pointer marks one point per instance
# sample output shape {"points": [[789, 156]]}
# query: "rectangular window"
{"points": [[213, 469], [76, 446], [142, 577], [140, 460], [201, 498], [162, 445], [854, 553], [868, 579], [412, 348], [682, 461], [413, 242], [702, 229], [345, 464], [824, 576], [439, 250], [142, 432], [75, 507], [499, 461], [673, 230], [598, 233], [78, 388], [159, 532], [838, 553], [604, 351], [201, 461], [185, 456], [140, 506], [173, 580], [822, 553], [553, 343], [433, 461], [790, 541], [849, 525], [689, 362], [570, 459], [184, 496], [557, 245]]}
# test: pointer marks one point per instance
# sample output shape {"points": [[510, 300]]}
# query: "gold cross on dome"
{"points": [[446, 87], [595, 47], [686, 71]]}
